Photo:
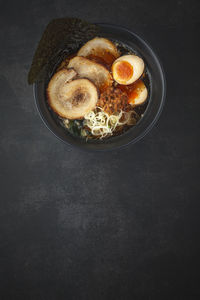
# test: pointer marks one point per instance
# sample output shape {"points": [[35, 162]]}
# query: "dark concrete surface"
{"points": [[119, 225]]}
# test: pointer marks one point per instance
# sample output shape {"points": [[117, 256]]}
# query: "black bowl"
{"points": [[152, 112]]}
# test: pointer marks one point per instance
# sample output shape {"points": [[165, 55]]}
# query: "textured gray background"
{"points": [[118, 225]]}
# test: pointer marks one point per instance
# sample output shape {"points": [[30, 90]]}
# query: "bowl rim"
{"points": [[147, 129]]}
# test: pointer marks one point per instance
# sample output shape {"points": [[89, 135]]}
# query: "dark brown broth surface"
{"points": [[107, 59]]}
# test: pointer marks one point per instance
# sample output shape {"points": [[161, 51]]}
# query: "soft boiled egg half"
{"points": [[127, 69], [138, 94]]}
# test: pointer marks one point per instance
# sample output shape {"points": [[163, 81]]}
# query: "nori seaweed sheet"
{"points": [[68, 33]]}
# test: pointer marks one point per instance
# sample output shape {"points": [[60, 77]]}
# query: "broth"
{"points": [[77, 127]]}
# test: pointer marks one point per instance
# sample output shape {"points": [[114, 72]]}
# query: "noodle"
{"points": [[101, 124]]}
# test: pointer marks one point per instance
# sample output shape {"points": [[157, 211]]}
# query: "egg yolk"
{"points": [[132, 96], [123, 70]]}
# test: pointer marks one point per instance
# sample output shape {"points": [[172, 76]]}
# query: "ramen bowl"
{"points": [[157, 91]]}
